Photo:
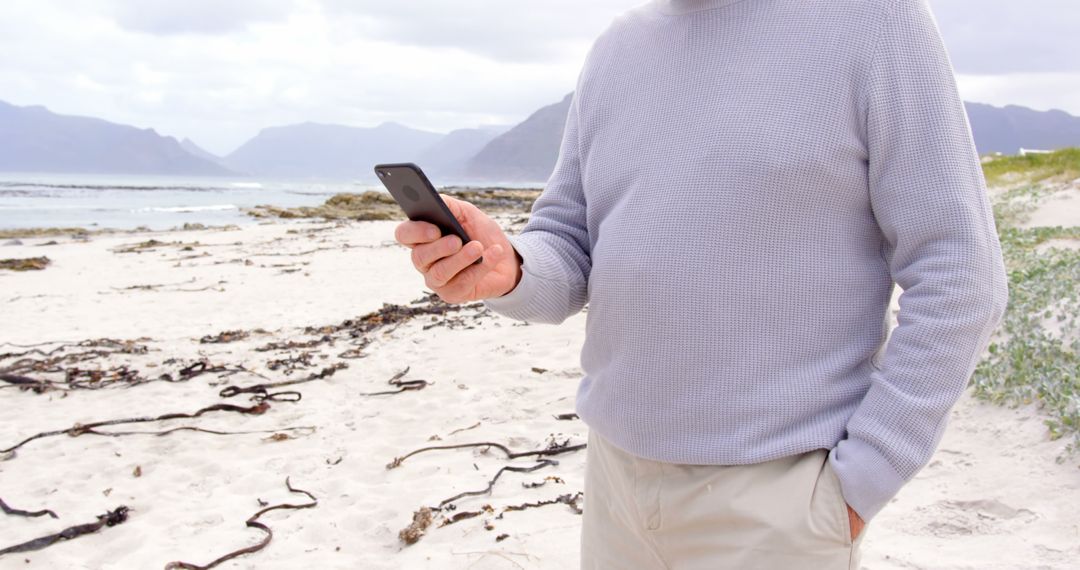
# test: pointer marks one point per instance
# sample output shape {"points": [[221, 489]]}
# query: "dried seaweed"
{"points": [[491, 484], [79, 429], [389, 314], [112, 518], [415, 530], [25, 263], [465, 515], [261, 392], [572, 501], [292, 344], [550, 450], [251, 522], [567, 417], [224, 337], [76, 377], [402, 385], [21, 513], [290, 364]]}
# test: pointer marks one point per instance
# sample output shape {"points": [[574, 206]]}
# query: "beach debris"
{"points": [[25, 263], [539, 370], [544, 481], [252, 522], [292, 344], [137, 472], [567, 417], [7, 510], [119, 515], [80, 429], [571, 500], [465, 515], [402, 385], [224, 337], [291, 363], [173, 287], [261, 392], [502, 537], [420, 522], [553, 448], [459, 430], [153, 244], [491, 484], [81, 378]]}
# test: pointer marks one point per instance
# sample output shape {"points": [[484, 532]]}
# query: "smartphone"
{"points": [[412, 190]]}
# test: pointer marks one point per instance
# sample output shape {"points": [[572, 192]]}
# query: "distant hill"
{"points": [[526, 152], [448, 158], [33, 139], [1007, 129], [190, 146], [313, 150]]}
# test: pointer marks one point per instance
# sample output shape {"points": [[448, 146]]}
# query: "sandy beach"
{"points": [[287, 296]]}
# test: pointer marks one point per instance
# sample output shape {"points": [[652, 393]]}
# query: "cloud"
{"points": [[163, 17], [496, 29], [1002, 37], [218, 71]]}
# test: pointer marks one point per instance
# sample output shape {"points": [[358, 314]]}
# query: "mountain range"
{"points": [[33, 139]]}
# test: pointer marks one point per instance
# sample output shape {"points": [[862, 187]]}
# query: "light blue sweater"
{"points": [[739, 185]]}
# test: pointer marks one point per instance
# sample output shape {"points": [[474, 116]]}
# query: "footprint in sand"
{"points": [[981, 516]]}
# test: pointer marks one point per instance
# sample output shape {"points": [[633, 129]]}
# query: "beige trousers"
{"points": [[785, 513]]}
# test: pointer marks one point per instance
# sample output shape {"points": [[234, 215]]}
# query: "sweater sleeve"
{"points": [[929, 198], [554, 245]]}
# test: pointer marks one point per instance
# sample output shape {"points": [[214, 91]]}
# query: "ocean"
{"points": [[155, 202], [159, 202]]}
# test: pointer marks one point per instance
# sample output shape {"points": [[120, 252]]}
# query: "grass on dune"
{"points": [[1035, 358], [1009, 170]]}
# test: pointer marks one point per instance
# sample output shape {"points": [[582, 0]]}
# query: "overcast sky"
{"points": [[219, 70]]}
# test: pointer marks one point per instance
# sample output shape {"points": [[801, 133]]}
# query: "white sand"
{"points": [[992, 497]]}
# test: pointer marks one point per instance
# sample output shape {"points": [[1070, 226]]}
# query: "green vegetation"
{"points": [[1010, 170], [1036, 357]]}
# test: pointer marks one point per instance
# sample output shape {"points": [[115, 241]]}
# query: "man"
{"points": [[740, 184]]}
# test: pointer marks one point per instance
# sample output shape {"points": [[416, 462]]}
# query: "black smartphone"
{"points": [[412, 190]]}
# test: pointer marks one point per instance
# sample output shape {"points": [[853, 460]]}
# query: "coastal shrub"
{"points": [[1035, 358], [1064, 163]]}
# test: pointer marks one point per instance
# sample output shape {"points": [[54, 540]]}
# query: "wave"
{"points": [[188, 209], [11, 187]]}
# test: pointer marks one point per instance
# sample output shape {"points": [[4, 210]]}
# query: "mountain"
{"points": [[448, 158], [33, 139], [526, 152], [313, 150], [1012, 127], [192, 148]]}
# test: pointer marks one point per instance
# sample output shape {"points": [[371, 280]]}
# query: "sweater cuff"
{"points": [[518, 298], [867, 480]]}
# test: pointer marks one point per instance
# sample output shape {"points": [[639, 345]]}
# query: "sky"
{"points": [[218, 71]]}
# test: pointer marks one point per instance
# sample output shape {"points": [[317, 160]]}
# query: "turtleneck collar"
{"points": [[689, 6]]}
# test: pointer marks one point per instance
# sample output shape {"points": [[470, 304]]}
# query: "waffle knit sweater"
{"points": [[739, 186]]}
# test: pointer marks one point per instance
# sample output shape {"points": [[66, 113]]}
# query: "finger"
{"points": [[458, 208], [463, 286], [412, 233], [445, 269], [426, 254]]}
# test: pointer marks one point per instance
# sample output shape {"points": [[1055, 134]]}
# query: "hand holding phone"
{"points": [[463, 254]]}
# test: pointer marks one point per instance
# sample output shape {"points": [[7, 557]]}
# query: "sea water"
{"points": [[156, 202]]}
